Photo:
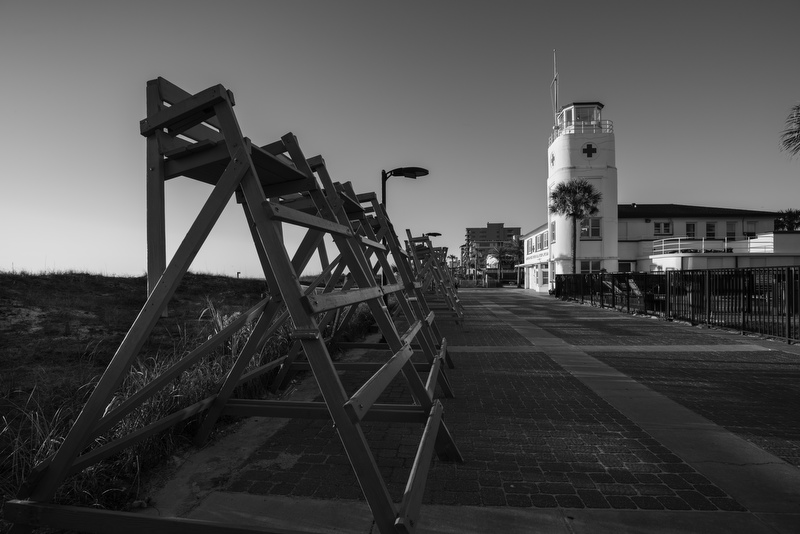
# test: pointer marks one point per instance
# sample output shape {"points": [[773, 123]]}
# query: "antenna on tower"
{"points": [[554, 91]]}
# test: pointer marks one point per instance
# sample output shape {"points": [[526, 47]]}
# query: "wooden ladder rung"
{"points": [[363, 399]]}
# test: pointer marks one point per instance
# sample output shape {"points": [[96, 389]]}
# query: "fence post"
{"points": [[629, 296], [740, 292], [707, 296], [786, 307], [667, 293]]}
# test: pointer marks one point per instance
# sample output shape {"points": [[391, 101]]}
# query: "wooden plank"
{"points": [[372, 244], [433, 376], [185, 113], [263, 369], [93, 520], [276, 169], [363, 399], [172, 94], [282, 213], [359, 366], [415, 487], [189, 149], [391, 413], [331, 301]]}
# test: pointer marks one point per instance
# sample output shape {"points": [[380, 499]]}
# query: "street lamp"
{"points": [[408, 172]]}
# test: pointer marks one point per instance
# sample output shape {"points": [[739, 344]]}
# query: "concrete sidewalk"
{"points": [[570, 419]]}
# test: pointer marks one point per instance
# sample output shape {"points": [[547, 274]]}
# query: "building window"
{"points": [[662, 228], [750, 228], [626, 266], [590, 266], [545, 274], [544, 240], [590, 228], [553, 232], [691, 229], [528, 246], [711, 230], [730, 229]]}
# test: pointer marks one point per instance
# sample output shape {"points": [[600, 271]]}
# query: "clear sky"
{"points": [[698, 93]]}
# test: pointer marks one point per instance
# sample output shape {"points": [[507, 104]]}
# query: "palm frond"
{"points": [[790, 137]]}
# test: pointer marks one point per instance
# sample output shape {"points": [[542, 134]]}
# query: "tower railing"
{"points": [[579, 127]]}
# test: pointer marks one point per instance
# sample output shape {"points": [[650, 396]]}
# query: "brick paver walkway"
{"points": [[534, 434]]}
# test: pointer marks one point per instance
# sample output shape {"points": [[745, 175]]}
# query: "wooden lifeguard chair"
{"points": [[198, 136]]}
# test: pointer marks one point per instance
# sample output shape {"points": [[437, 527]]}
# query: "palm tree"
{"points": [[576, 199], [507, 253], [788, 220], [790, 137]]}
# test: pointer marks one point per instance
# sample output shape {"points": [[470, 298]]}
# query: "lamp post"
{"points": [[408, 172]]}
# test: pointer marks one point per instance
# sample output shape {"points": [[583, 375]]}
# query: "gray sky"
{"points": [[698, 93]]}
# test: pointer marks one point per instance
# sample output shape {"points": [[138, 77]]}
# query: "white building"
{"points": [[638, 237]]}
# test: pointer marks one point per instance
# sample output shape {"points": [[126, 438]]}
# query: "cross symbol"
{"points": [[589, 150]]}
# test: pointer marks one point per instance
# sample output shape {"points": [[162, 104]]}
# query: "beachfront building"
{"points": [[482, 245], [638, 237]]}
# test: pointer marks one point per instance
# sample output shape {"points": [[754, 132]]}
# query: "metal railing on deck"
{"points": [[573, 127], [693, 245], [763, 300]]}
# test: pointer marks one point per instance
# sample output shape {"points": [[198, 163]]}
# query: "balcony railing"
{"points": [[579, 127], [693, 245]]}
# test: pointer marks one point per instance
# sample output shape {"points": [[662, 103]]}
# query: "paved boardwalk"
{"points": [[570, 419]]}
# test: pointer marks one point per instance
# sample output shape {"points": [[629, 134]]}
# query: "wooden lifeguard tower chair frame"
{"points": [[430, 270], [198, 136]]}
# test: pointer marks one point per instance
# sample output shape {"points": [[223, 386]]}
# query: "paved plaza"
{"points": [[570, 419]]}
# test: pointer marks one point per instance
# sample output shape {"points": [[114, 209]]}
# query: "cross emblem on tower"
{"points": [[589, 150]]}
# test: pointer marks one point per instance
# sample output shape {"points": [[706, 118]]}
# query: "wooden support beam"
{"points": [[281, 213], [389, 413], [415, 487], [331, 301], [93, 520], [363, 399], [186, 113]]}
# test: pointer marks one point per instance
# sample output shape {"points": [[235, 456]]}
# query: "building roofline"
{"points": [[638, 211]]}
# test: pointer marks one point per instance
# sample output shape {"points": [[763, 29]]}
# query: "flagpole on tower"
{"points": [[554, 91]]}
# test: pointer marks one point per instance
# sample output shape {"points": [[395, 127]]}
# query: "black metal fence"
{"points": [[757, 300]]}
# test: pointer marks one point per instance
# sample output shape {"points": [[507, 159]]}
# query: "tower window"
{"points": [[590, 228]]}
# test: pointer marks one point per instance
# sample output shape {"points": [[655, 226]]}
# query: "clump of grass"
{"points": [[35, 425]]}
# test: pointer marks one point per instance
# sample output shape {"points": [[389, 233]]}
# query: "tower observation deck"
{"points": [[580, 117]]}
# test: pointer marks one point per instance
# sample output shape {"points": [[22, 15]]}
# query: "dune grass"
{"points": [[40, 402]]}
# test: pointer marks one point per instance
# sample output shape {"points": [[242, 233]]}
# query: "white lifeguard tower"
{"points": [[582, 146]]}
